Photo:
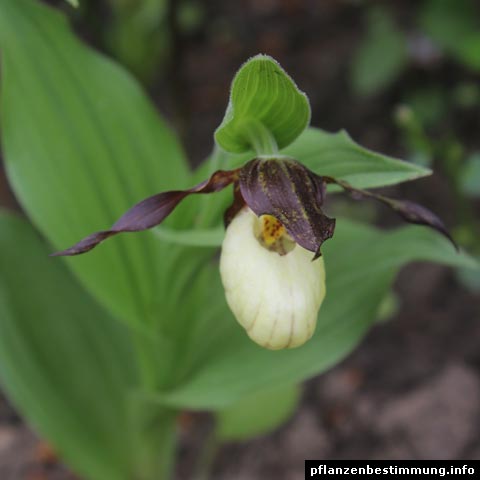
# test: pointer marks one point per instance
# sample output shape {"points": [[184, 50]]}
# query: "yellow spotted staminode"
{"points": [[271, 284]]}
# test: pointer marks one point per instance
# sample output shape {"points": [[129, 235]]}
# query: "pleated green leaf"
{"points": [[82, 144], [65, 364], [264, 101], [361, 263]]}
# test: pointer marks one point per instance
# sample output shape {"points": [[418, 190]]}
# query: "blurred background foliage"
{"points": [[401, 76]]}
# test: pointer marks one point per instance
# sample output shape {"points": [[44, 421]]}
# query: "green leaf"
{"points": [[258, 413], [211, 237], [361, 263], [82, 144], [65, 364], [381, 56], [337, 155], [73, 3], [265, 108]]}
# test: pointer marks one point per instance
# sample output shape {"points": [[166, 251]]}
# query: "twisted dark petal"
{"points": [[410, 211], [291, 193], [151, 212], [414, 213]]}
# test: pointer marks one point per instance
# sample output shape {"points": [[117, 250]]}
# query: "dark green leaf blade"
{"points": [[65, 364], [82, 144]]}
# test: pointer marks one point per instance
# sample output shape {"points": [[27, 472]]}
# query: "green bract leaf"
{"points": [[258, 413], [361, 261], [82, 144], [265, 108], [64, 363]]}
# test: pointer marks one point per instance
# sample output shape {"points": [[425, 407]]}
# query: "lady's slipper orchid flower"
{"points": [[271, 284], [274, 225]]}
